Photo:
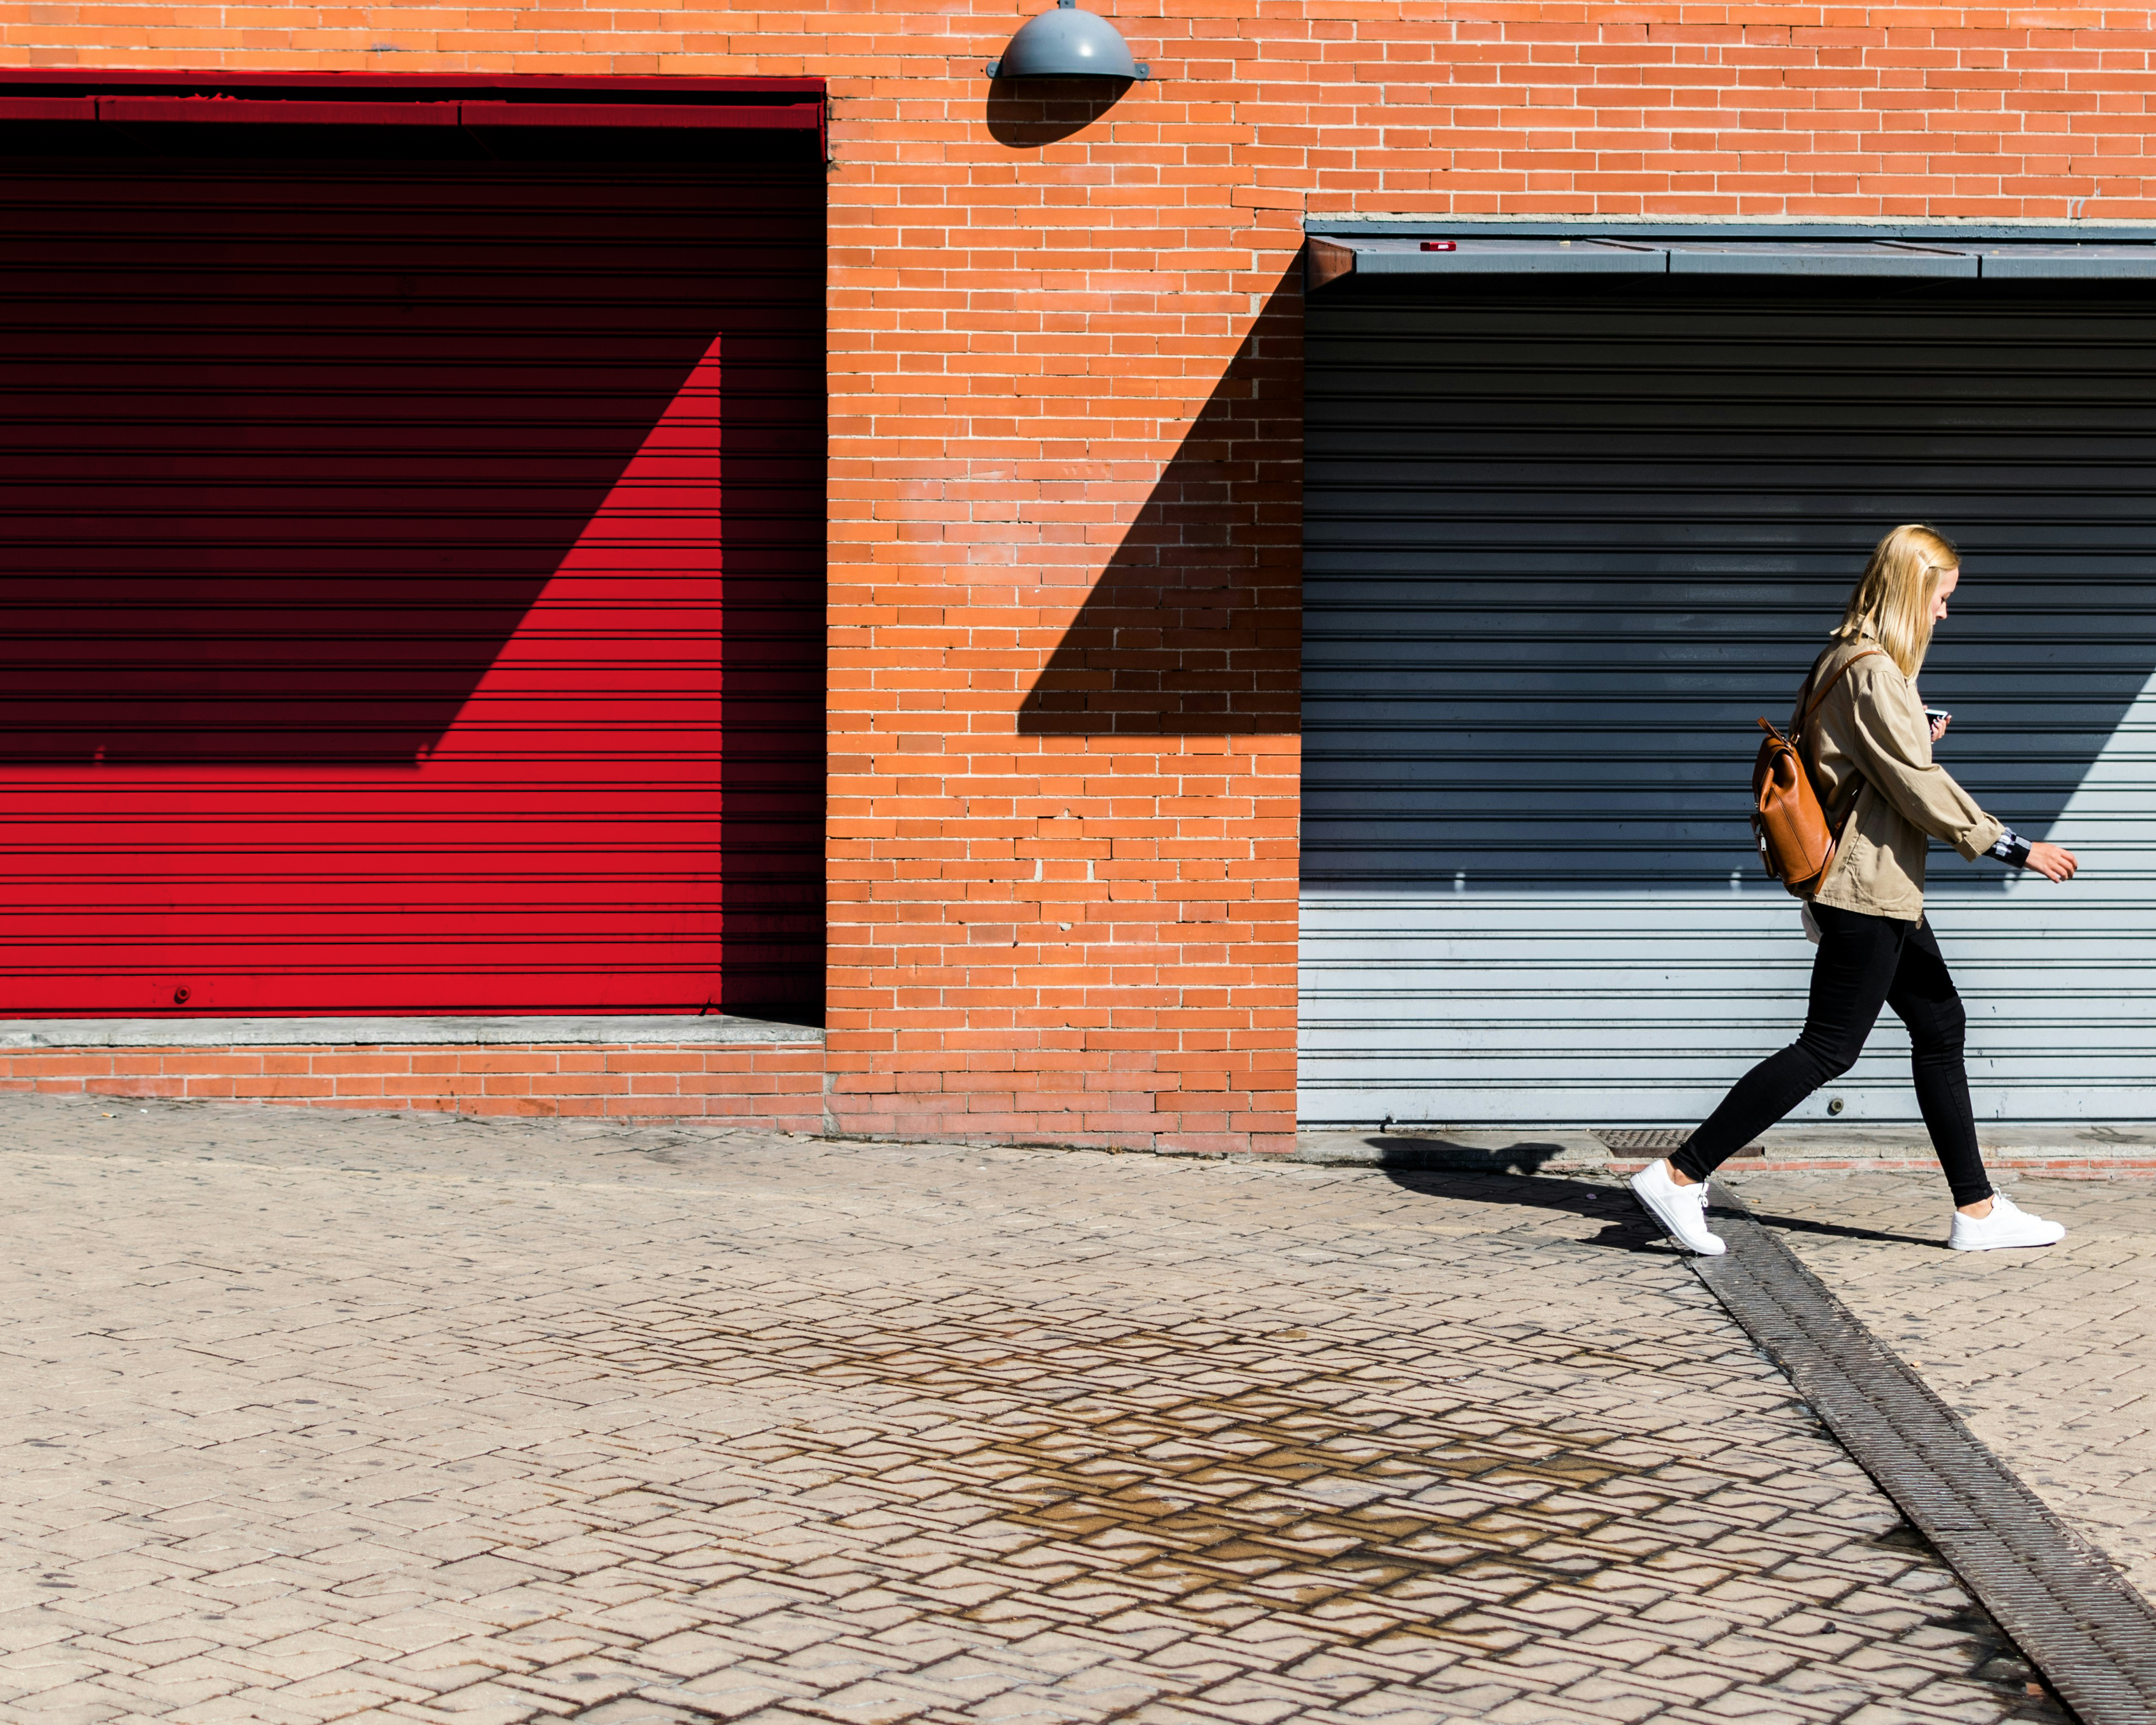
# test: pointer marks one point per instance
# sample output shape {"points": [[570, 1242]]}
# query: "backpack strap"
{"points": [[1806, 713]]}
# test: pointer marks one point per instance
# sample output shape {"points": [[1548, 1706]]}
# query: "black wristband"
{"points": [[2012, 849]]}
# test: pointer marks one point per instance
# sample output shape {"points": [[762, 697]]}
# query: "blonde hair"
{"points": [[1893, 600]]}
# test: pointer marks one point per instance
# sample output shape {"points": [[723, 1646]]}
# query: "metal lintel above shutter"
{"points": [[800, 115], [182, 110], [789, 116], [2059, 261], [1334, 255], [1817, 257], [74, 94]]}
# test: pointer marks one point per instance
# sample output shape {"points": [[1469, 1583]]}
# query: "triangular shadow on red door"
{"points": [[288, 450]]}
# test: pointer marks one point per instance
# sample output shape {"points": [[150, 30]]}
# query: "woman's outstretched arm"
{"points": [[1891, 739]]}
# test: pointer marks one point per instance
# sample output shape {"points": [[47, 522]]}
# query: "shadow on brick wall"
{"points": [[1031, 113], [1195, 626]]}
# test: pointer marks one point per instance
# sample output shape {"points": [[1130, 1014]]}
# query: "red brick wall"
{"points": [[779, 1087], [1062, 849]]}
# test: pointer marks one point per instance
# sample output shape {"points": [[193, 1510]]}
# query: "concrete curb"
{"points": [[593, 1030], [2064, 1603]]}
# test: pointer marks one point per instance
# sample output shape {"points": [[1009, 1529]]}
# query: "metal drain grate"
{"points": [[1659, 1142], [2074, 1615], [1653, 1141]]}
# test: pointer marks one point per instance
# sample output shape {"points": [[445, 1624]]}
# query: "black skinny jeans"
{"points": [[1863, 963]]}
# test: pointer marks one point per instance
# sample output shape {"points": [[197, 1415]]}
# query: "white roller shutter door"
{"points": [[1565, 543]]}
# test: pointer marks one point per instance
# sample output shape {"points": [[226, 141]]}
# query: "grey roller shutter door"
{"points": [[1565, 544]]}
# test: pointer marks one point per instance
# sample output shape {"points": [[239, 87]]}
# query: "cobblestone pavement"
{"points": [[2049, 1355], [316, 1417]]}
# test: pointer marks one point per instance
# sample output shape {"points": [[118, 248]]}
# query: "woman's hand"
{"points": [[2054, 862], [1939, 726]]}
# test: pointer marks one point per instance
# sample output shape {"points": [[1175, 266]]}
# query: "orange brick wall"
{"points": [[778, 1087], [1064, 483]]}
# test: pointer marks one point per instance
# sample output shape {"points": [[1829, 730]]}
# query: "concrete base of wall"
{"points": [[740, 1069]]}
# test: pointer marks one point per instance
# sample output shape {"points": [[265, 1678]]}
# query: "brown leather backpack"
{"points": [[1796, 842]]}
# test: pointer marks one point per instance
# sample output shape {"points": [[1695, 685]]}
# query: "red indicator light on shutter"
{"points": [[1440, 246]]}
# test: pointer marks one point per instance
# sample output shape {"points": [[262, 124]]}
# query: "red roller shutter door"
{"points": [[413, 579]]}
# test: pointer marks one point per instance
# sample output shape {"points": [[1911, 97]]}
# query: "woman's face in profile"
{"points": [[1948, 583]]}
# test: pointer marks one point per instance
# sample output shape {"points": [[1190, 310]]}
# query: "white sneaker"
{"points": [[1681, 1210], [2007, 1226]]}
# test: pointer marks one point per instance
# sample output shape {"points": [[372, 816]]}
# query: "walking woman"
{"points": [[1868, 747]]}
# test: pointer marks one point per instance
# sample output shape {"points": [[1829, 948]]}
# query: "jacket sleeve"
{"points": [[1891, 743]]}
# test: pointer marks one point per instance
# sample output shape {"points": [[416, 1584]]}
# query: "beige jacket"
{"points": [[1868, 744]]}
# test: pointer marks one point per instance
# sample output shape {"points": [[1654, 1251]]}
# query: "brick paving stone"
{"points": [[2049, 1355], [385, 1418]]}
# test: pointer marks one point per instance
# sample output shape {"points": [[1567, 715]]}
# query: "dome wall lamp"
{"points": [[1066, 43]]}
